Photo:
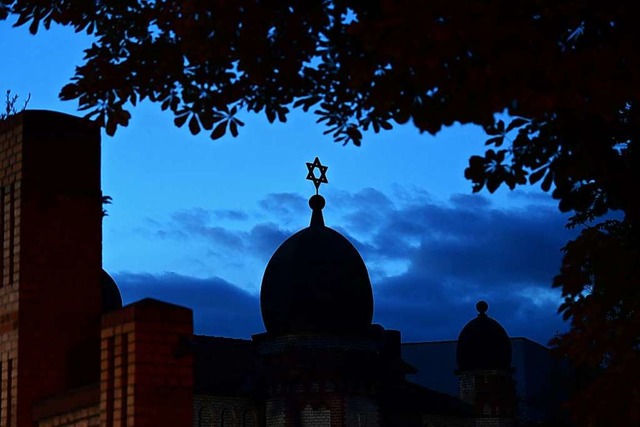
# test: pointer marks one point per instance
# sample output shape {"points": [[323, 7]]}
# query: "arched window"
{"points": [[250, 419], [226, 418], [205, 416]]}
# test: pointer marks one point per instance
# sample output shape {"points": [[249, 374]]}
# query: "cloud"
{"points": [[429, 261], [265, 238], [231, 214], [284, 204], [219, 307], [457, 253], [426, 309], [195, 223], [532, 197]]}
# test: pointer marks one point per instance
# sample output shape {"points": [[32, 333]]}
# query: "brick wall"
{"points": [[362, 411], [224, 411], [83, 417], [494, 422], [75, 408], [146, 366], [50, 240], [10, 197], [315, 417], [327, 380], [492, 393], [276, 412], [300, 405], [467, 386]]}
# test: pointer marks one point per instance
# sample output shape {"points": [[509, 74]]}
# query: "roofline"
{"points": [[428, 342], [546, 347], [219, 338], [455, 341]]}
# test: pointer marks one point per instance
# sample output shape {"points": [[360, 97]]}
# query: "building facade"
{"points": [[72, 355]]}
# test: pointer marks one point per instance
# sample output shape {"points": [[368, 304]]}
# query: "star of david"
{"points": [[322, 179]]}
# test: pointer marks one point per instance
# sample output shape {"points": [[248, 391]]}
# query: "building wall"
{"points": [[276, 412], [447, 421], [224, 411], [10, 196], [316, 417], [74, 408], [361, 411], [542, 386], [82, 417], [435, 363], [146, 366], [494, 422], [538, 376], [322, 380], [492, 392], [50, 235], [296, 409]]}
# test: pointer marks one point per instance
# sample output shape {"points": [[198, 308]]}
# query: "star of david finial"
{"points": [[322, 179]]}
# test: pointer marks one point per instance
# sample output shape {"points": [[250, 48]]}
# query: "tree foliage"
{"points": [[568, 75]]}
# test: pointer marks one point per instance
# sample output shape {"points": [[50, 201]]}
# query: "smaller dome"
{"points": [[483, 343], [111, 298]]}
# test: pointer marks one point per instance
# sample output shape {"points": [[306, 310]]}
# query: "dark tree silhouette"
{"points": [[568, 75], [11, 104]]}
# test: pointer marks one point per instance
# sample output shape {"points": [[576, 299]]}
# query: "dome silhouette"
{"points": [[111, 298], [483, 344], [316, 283]]}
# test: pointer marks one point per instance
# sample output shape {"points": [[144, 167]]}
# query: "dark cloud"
{"points": [[429, 262], [265, 239], [469, 201], [364, 210], [455, 254], [234, 215], [260, 241], [425, 309], [533, 197], [195, 222], [466, 238], [492, 245], [463, 251], [284, 204], [219, 307]]}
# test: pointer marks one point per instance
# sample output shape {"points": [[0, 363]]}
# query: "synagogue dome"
{"points": [[483, 344], [316, 283]]}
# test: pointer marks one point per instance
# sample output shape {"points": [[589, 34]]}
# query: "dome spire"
{"points": [[317, 202], [482, 308]]}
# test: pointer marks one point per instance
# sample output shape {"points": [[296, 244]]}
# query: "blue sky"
{"points": [[195, 221]]}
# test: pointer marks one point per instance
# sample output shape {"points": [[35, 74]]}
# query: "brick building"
{"points": [[72, 355]]}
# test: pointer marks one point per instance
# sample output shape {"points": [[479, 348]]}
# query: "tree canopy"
{"points": [[567, 73]]}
